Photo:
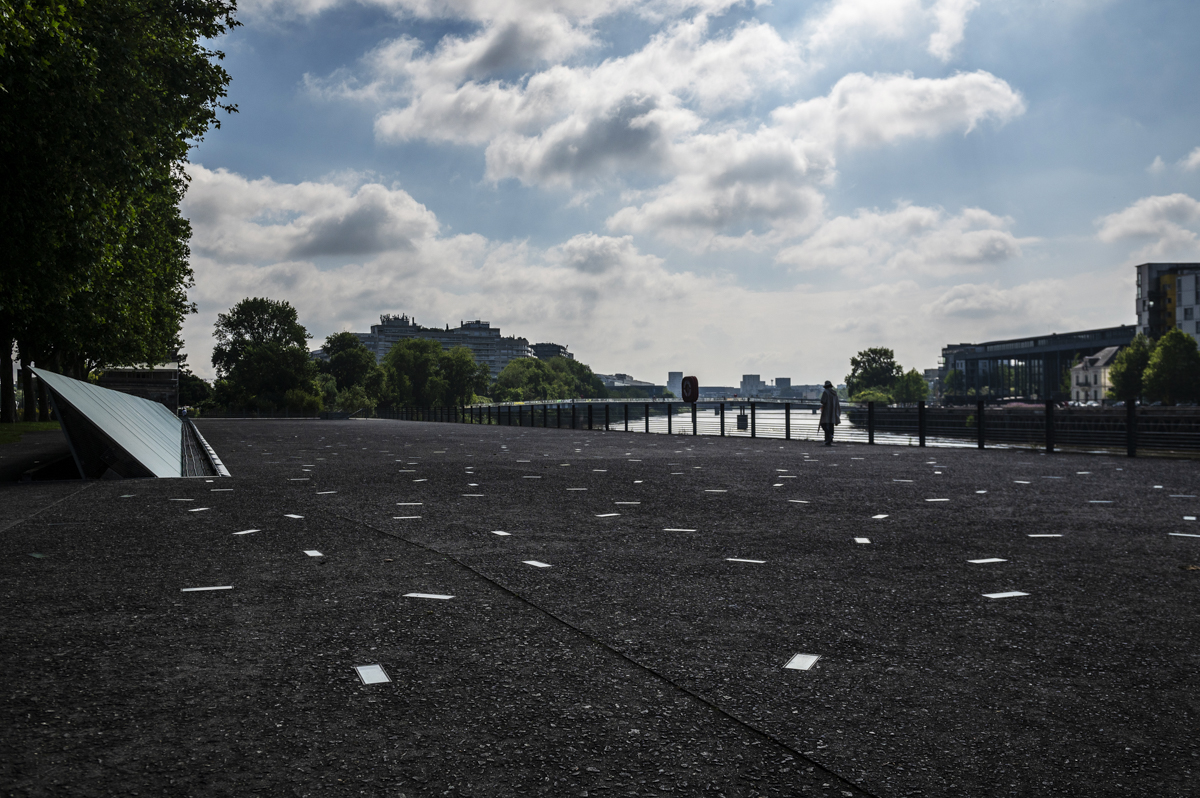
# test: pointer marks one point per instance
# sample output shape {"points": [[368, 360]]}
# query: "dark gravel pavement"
{"points": [[643, 660]]}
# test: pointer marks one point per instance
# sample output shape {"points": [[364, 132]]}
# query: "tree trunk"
{"points": [[30, 411], [8, 399]]}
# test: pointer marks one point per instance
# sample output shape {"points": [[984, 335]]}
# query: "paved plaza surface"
{"points": [[681, 575]]}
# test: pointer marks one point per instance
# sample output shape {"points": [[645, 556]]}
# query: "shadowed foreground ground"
{"points": [[643, 661]]}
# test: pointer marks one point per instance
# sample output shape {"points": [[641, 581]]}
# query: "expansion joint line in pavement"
{"points": [[621, 654], [41, 510]]}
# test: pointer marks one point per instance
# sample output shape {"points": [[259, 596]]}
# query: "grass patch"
{"points": [[11, 433]]}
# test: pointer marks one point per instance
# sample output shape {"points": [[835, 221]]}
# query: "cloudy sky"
{"points": [[709, 186]]}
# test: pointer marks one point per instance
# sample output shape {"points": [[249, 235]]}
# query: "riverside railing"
{"points": [[1131, 430]]}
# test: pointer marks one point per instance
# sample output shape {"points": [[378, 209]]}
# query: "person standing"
{"points": [[831, 412]]}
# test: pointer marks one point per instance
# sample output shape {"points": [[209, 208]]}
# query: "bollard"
{"points": [[920, 423], [979, 421], [1049, 426], [1131, 428]]}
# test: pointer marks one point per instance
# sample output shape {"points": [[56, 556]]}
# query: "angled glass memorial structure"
{"points": [[115, 435]]}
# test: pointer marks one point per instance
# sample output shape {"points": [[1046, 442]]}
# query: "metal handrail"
{"points": [[1166, 431]]}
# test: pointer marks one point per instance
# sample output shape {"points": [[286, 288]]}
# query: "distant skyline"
{"points": [[716, 187]]}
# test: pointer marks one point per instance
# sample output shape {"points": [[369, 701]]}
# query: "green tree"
{"points": [[419, 372], [873, 395], [1128, 369], [267, 372], [325, 387], [1173, 374], [414, 372], [555, 379], [528, 379], [955, 382], [581, 381], [193, 391], [261, 357], [910, 388], [872, 368], [254, 322], [350, 362], [99, 103], [464, 377], [353, 399]]}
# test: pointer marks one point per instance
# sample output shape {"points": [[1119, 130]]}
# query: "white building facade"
{"points": [[1089, 378]]}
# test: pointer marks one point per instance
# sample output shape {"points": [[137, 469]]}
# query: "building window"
{"points": [[1187, 314], [1095, 379]]}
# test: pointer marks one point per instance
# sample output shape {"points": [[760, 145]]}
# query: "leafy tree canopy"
{"points": [[1173, 374], [528, 379], [873, 368], [350, 362], [193, 391], [255, 322], [262, 359], [419, 372], [464, 377], [1128, 368], [910, 388], [873, 395], [99, 103]]}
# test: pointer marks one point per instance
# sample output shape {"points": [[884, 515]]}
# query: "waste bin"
{"points": [[743, 421]]}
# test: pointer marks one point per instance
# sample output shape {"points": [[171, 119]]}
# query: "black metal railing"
{"points": [[1129, 430]]}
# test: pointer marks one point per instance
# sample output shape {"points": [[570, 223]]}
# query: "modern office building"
{"points": [[547, 351], [1033, 368], [675, 382], [752, 385], [1168, 297], [484, 340]]}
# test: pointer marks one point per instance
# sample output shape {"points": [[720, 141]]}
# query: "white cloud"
{"points": [[951, 16], [730, 184], [661, 115], [261, 220], [766, 183], [561, 105], [618, 308], [846, 23], [869, 110], [1156, 166], [1191, 162], [1168, 224], [909, 241], [1036, 304]]}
